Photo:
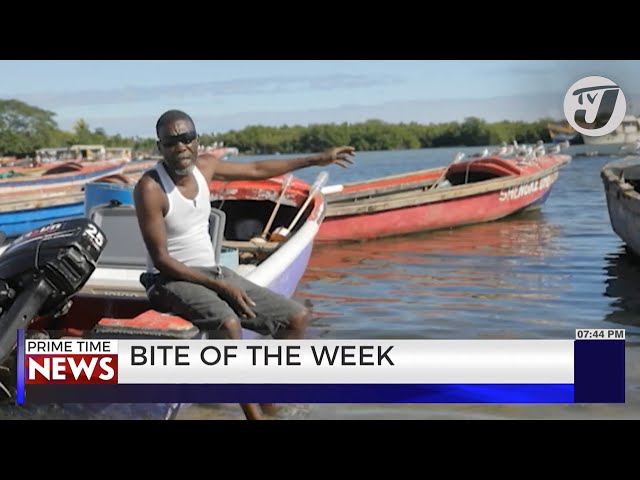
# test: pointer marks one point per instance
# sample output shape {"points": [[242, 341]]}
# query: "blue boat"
{"points": [[101, 193], [13, 224], [34, 201]]}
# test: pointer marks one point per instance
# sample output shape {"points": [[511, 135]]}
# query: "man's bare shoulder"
{"points": [[149, 184]]}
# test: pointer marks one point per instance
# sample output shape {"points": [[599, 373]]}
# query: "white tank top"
{"points": [[186, 223]]}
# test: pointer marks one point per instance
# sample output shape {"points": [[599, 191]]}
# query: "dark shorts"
{"points": [[205, 309]]}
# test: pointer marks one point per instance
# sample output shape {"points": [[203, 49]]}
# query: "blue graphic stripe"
{"points": [[20, 370], [303, 393]]}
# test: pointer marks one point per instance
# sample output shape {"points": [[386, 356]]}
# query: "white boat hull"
{"points": [[623, 202], [627, 132], [615, 138]]}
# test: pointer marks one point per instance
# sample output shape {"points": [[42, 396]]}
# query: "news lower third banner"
{"points": [[587, 369]]}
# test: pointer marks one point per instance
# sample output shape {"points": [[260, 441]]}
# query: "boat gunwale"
{"points": [[373, 205], [344, 195], [611, 179]]}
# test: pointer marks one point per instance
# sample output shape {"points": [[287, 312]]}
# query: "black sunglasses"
{"points": [[184, 138]]}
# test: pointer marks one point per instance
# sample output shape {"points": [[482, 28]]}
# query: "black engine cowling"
{"points": [[42, 269]]}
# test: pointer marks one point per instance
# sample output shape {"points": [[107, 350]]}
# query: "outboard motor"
{"points": [[41, 270]]}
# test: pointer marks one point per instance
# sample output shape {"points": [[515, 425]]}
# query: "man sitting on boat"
{"points": [[173, 209]]}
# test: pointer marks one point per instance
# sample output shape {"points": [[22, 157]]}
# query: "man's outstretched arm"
{"points": [[215, 169]]}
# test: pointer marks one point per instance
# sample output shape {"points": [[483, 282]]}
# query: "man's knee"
{"points": [[295, 326], [231, 328], [299, 320]]}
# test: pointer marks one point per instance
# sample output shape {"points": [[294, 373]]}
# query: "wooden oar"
{"points": [[263, 238], [281, 233]]}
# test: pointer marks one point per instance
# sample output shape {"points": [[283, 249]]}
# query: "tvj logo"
{"points": [[595, 106]]}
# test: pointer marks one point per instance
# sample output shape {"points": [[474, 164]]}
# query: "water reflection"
{"points": [[623, 286], [468, 279], [526, 235]]}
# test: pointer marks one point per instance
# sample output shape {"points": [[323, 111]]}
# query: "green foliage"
{"points": [[25, 128], [22, 126]]}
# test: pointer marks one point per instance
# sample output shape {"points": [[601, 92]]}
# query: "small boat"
{"points": [[480, 189], [245, 207], [67, 174], [109, 299], [138, 167], [23, 211], [7, 161], [561, 132], [621, 180], [627, 133], [22, 214]]}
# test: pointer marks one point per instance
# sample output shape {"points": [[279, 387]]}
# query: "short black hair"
{"points": [[171, 116]]}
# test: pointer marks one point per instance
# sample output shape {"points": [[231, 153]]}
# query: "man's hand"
{"points": [[237, 299], [339, 156]]}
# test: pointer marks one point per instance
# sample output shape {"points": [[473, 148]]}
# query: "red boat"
{"points": [[466, 192]]}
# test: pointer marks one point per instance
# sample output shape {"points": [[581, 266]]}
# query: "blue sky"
{"points": [[127, 96]]}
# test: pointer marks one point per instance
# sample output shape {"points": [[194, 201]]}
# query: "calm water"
{"points": [[538, 275]]}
